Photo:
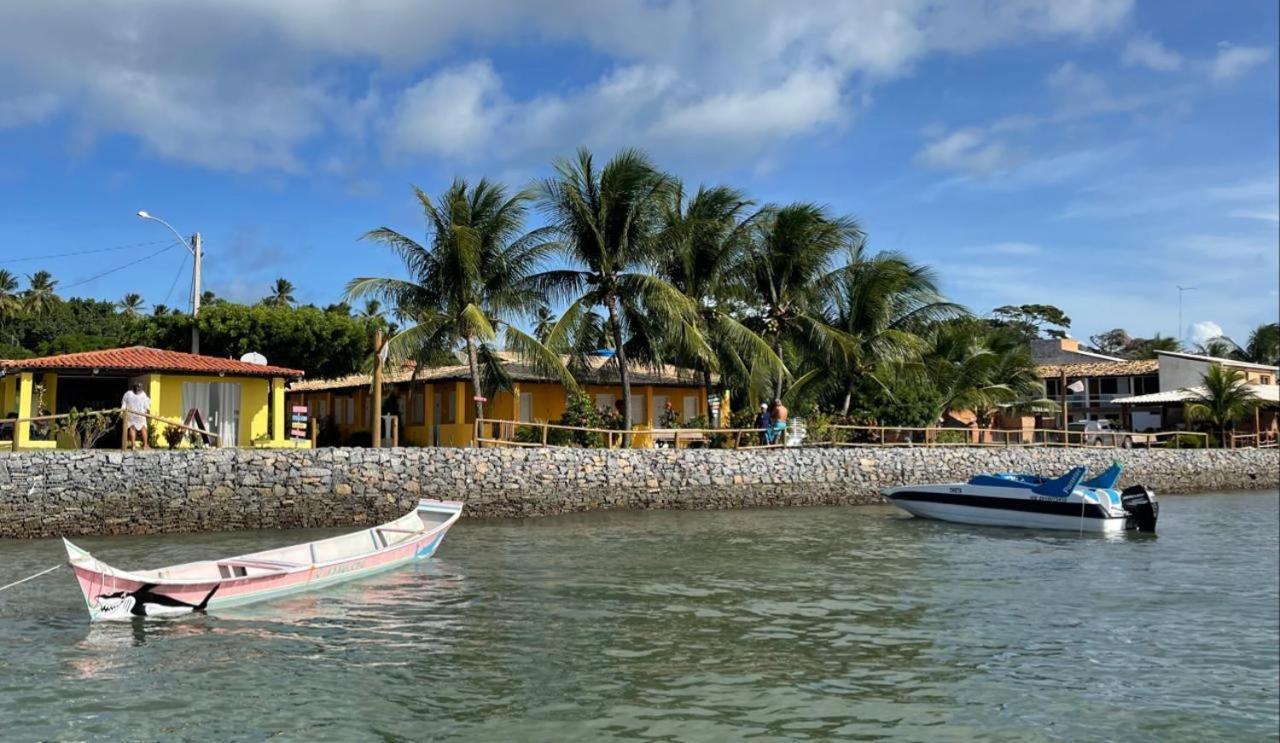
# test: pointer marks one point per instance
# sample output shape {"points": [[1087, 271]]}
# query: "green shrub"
{"points": [[173, 436], [952, 436]]}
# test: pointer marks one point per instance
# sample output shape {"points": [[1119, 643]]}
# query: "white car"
{"points": [[1103, 433]]}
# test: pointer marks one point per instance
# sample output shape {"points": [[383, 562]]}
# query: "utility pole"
{"points": [[197, 250]]}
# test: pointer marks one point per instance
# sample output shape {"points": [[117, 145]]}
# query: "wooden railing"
{"points": [[1261, 440], [503, 432], [676, 438], [123, 413], [846, 435]]}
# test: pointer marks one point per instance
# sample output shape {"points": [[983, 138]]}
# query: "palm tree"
{"points": [[702, 242], [1145, 348], [39, 295], [1225, 397], [544, 320], [607, 219], [159, 310], [467, 283], [1264, 345], [970, 368], [10, 301], [1219, 346], [207, 298], [130, 305], [790, 256], [281, 294], [880, 303]]}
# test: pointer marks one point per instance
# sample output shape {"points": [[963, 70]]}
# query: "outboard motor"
{"points": [[1140, 504]]}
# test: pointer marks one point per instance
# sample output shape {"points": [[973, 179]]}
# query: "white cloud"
{"points": [[245, 84], [801, 103], [27, 109], [1264, 215], [452, 113], [1144, 51], [1199, 332], [968, 150], [1234, 61]]}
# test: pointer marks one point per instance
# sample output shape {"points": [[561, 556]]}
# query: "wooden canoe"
{"points": [[195, 587]]}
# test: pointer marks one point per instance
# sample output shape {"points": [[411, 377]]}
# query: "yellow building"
{"points": [[242, 403], [436, 408]]}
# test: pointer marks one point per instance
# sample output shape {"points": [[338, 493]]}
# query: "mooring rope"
{"points": [[30, 577]]}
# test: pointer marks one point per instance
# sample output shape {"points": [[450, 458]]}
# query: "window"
{"points": [[526, 407], [1051, 387], [321, 407], [637, 409], [606, 401], [1264, 379], [690, 407], [1107, 385]]}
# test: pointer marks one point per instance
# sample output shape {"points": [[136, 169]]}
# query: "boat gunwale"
{"points": [[126, 575]]}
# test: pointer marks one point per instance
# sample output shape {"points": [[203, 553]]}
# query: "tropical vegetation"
{"points": [[1223, 398], [605, 268]]}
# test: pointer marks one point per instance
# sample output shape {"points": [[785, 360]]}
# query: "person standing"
{"points": [[779, 421], [136, 402], [765, 424]]}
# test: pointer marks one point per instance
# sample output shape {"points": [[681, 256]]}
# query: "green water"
{"points": [[855, 623]]}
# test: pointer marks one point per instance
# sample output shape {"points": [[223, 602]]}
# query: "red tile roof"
{"points": [[143, 359]]}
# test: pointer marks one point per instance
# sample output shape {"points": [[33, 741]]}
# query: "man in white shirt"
{"points": [[136, 401]]}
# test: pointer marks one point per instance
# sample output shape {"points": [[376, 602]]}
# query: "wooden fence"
{"points": [[123, 413], [505, 432]]}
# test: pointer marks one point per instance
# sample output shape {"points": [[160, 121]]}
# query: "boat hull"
{"points": [[994, 515], [112, 594]]}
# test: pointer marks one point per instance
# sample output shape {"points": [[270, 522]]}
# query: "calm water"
{"points": [[781, 624]]}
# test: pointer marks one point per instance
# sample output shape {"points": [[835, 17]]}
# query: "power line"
{"points": [[176, 276], [173, 244], [82, 252]]}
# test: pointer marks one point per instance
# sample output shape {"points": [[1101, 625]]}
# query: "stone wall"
{"points": [[60, 493]]}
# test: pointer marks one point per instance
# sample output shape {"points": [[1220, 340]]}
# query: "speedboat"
{"points": [[1068, 502], [198, 587]]}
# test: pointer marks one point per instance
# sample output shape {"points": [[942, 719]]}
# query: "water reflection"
{"points": [[806, 623]]}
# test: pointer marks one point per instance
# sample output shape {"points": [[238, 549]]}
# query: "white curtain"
{"points": [[219, 406]]}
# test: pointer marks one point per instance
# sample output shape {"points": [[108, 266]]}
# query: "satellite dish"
{"points": [[253, 357]]}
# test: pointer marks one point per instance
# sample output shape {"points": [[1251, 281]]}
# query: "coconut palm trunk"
{"points": [[624, 375], [473, 361], [709, 389]]}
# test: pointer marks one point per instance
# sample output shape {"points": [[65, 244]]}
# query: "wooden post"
{"points": [[315, 433], [546, 428], [124, 427], [395, 430], [1062, 393], [377, 388]]}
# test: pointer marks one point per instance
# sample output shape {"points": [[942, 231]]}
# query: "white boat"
{"points": [[1014, 499], [196, 587]]}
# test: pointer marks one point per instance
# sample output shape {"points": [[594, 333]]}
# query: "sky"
{"points": [[1093, 154]]}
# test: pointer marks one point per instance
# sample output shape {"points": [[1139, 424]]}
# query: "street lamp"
{"points": [[194, 247]]}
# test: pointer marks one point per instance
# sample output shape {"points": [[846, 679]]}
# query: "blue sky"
{"points": [[1092, 154]]}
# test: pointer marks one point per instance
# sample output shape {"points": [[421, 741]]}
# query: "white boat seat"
{"points": [[268, 564], [398, 531]]}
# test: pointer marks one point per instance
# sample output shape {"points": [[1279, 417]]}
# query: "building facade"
{"points": [[436, 407], [241, 403]]}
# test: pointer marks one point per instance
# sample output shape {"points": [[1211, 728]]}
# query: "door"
{"points": [[437, 415], [526, 407], [659, 410]]}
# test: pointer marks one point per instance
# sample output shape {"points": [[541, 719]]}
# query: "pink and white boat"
{"points": [[194, 587]]}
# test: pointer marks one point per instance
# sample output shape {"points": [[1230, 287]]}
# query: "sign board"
{"points": [[298, 422]]}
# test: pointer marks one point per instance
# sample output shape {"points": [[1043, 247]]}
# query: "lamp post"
{"points": [[1181, 289], [195, 248]]}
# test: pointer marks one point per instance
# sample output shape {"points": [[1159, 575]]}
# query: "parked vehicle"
{"points": [[1105, 433]]}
